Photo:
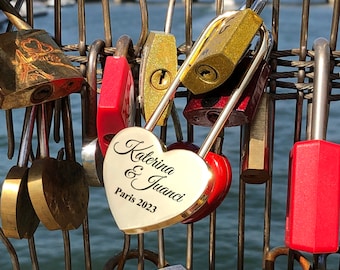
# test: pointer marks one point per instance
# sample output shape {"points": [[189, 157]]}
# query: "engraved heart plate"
{"points": [[149, 188]]}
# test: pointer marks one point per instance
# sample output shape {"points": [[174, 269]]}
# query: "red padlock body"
{"points": [[312, 218], [116, 100], [203, 110], [222, 172]]}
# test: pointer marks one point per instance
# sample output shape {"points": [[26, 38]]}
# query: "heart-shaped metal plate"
{"points": [[149, 188]]}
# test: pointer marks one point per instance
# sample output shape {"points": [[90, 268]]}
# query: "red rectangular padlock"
{"points": [[204, 109], [312, 218]]}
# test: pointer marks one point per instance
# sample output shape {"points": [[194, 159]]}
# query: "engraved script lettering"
{"points": [[137, 152]]}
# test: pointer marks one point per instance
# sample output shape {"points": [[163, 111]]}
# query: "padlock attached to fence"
{"points": [[225, 42], [18, 217], [143, 179], [33, 68], [116, 105], [57, 187], [158, 68], [312, 218], [204, 109]]}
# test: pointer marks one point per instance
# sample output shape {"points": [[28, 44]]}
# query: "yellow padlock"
{"points": [[222, 50], [158, 69]]}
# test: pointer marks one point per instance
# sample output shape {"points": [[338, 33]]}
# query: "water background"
{"points": [[106, 239]]}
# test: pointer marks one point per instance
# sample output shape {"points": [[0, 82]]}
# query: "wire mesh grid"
{"points": [[291, 78]]}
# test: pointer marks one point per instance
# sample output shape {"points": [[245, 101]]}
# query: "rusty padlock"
{"points": [[226, 44], [33, 68], [18, 217], [204, 109], [158, 68], [57, 187], [116, 105]]}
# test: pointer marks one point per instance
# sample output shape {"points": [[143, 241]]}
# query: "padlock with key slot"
{"points": [[312, 218], [116, 105], [33, 68], [144, 180], [204, 109], [257, 143], [57, 187], [18, 217], [223, 48], [158, 68]]}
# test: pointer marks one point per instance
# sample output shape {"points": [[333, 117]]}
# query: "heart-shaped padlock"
{"points": [[116, 105], [18, 217], [33, 69], [144, 185]]}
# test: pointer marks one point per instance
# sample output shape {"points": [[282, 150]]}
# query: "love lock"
{"points": [[33, 69], [57, 188], [116, 105], [18, 217], [257, 143], [204, 109], [224, 44], [144, 182], [314, 171], [158, 68]]}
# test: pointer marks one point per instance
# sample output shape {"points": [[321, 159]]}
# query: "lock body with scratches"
{"points": [[222, 51], [34, 70], [158, 69]]}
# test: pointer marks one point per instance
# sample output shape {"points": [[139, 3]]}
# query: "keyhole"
{"points": [[161, 79], [206, 73]]}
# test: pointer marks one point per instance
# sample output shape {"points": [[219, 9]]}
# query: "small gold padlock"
{"points": [[159, 66], [158, 69], [221, 52]]}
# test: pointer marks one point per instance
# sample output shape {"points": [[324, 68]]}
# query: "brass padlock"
{"points": [[158, 69], [222, 51], [57, 187], [18, 217], [33, 69], [257, 143]]}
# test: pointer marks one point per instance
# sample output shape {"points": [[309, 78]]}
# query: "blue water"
{"points": [[106, 239]]}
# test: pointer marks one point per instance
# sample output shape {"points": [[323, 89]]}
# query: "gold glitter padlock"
{"points": [[158, 69], [225, 46]]}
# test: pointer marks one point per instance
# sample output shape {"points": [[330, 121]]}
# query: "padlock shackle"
{"points": [[168, 96], [320, 89], [236, 94], [14, 16], [26, 136]]}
